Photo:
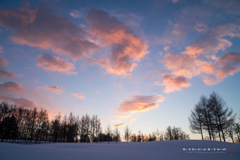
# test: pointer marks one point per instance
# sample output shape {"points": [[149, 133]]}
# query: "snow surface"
{"points": [[163, 150]]}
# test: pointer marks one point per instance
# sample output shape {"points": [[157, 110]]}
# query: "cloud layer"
{"points": [[126, 47], [140, 103], [53, 63], [42, 28], [53, 89], [19, 101], [12, 86], [122, 124], [200, 59], [3, 73], [79, 95]]}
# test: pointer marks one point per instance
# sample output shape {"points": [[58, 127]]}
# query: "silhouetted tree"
{"points": [[222, 114], [127, 133], [116, 135], [108, 133], [237, 131], [196, 120]]}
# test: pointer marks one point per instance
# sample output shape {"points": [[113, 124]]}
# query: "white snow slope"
{"points": [[163, 150]]}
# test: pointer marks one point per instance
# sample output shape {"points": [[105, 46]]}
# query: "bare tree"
{"points": [[108, 132], [117, 135], [196, 120], [127, 133]]}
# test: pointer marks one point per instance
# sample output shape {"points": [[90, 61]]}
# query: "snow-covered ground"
{"points": [[179, 150]]}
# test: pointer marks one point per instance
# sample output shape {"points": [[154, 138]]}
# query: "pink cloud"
{"points": [[76, 13], [53, 63], [119, 84], [3, 73], [53, 89], [3, 62], [140, 103], [201, 27], [12, 86], [79, 95], [122, 124], [41, 27], [180, 64], [126, 47], [229, 65], [6, 75], [19, 101], [174, 83], [213, 40]]}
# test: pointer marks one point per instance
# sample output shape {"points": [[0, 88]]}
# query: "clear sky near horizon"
{"points": [[140, 63]]}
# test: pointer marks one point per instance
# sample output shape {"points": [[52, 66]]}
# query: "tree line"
{"points": [[23, 125], [214, 120]]}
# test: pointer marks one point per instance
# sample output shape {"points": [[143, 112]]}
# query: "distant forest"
{"points": [[210, 117], [23, 125], [214, 120]]}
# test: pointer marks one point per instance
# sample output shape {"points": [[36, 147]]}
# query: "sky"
{"points": [[141, 63]]}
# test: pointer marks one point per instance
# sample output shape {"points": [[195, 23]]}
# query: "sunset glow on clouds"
{"points": [[140, 103], [140, 59], [53, 89], [122, 124], [79, 95]]}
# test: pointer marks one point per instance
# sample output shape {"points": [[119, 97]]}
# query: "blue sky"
{"points": [[141, 63]]}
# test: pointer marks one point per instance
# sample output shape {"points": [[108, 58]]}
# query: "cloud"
{"points": [[180, 64], [79, 95], [6, 75], [174, 83], [76, 13], [201, 27], [41, 27], [229, 65], [19, 101], [53, 89], [174, 1], [53, 63], [121, 115], [213, 69], [140, 103], [119, 84], [3, 62], [213, 40], [1, 49], [122, 124], [166, 48], [126, 47], [12, 86], [3, 73]]}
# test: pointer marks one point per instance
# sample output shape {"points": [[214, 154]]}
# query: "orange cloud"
{"points": [[53, 63], [53, 88], [140, 103], [229, 65], [41, 27], [174, 83], [180, 64], [122, 124], [12, 86], [126, 47], [213, 40], [79, 95]]}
